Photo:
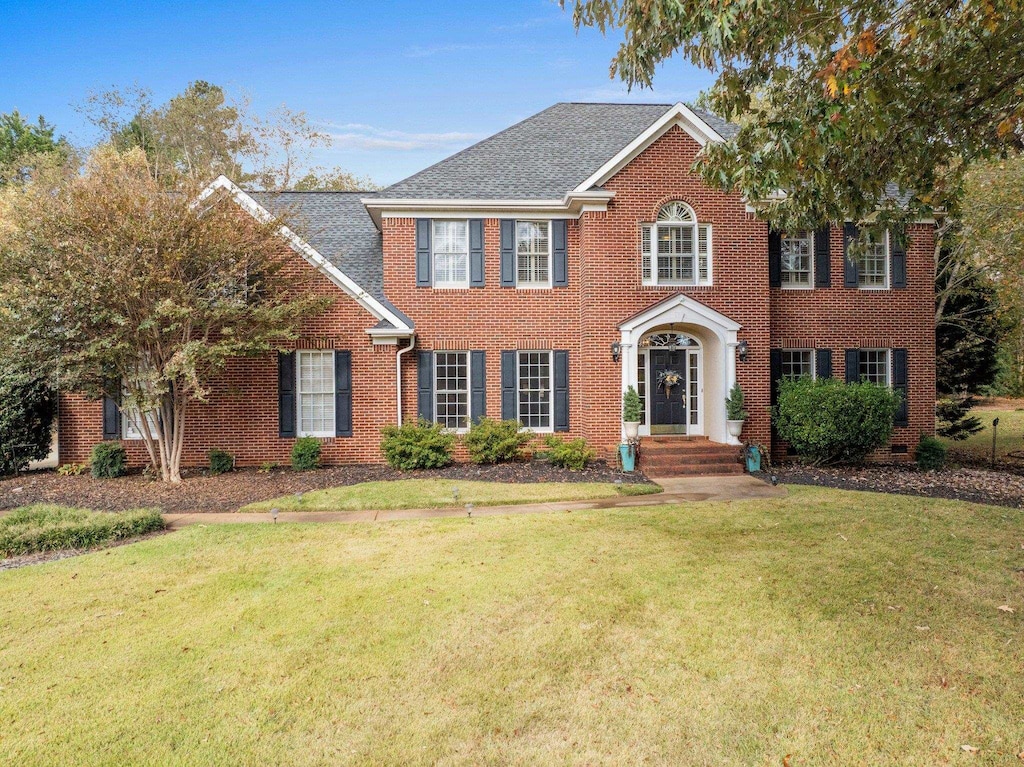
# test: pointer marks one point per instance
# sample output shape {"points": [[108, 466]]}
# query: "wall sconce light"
{"points": [[616, 351], [742, 348]]}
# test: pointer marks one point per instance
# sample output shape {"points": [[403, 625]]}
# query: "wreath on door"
{"points": [[669, 378]]}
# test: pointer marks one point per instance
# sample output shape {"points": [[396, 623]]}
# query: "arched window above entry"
{"points": [[676, 249]]}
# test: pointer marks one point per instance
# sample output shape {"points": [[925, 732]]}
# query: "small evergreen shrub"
{"points": [[417, 445], [108, 460], [221, 462], [930, 454], [632, 412], [955, 420], [490, 441], [32, 529], [734, 409], [306, 453], [829, 421], [574, 454]]}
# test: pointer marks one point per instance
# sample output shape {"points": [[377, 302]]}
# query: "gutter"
{"points": [[398, 373]]}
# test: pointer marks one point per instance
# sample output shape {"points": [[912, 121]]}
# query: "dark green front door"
{"points": [[668, 405]]}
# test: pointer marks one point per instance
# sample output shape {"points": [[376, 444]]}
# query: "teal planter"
{"points": [[753, 459], [628, 456]]}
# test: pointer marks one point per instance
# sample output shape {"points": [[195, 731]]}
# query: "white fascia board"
{"points": [[571, 205], [708, 317], [680, 115], [224, 185]]}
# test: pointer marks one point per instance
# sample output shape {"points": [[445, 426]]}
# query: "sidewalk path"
{"points": [[677, 490]]}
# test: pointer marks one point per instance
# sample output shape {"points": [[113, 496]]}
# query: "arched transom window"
{"points": [[676, 249]]}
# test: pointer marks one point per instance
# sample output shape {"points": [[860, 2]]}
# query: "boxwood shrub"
{"points": [[32, 529], [108, 460], [573, 454], [930, 454], [829, 421], [490, 441], [221, 462], [417, 445], [306, 453]]}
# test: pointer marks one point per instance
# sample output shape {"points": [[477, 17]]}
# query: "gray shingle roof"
{"points": [[542, 157]]}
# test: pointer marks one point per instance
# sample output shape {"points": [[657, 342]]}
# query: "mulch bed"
{"points": [[999, 487], [199, 492]]}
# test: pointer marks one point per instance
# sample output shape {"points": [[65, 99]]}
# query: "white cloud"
{"points": [[362, 136], [425, 51]]}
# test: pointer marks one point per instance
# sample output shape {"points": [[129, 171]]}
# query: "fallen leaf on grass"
{"points": [[969, 749], [1005, 608], [923, 628]]}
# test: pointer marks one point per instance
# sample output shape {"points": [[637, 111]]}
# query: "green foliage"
{"points": [[27, 408], [829, 421], [417, 445], [930, 454], [32, 529], [955, 419], [632, 411], [108, 460], [490, 441], [306, 453], [572, 454], [72, 469], [25, 146], [734, 410], [267, 466], [221, 462]]}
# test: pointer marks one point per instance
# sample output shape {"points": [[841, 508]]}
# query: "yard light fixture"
{"points": [[273, 514], [742, 348], [455, 494], [469, 510], [616, 351]]}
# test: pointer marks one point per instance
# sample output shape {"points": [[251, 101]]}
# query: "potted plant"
{"points": [[735, 413], [631, 413]]}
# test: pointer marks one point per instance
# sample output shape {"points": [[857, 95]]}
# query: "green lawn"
{"points": [[1009, 436], [838, 628], [437, 493]]}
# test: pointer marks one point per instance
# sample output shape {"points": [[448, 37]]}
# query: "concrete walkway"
{"points": [[739, 487]]}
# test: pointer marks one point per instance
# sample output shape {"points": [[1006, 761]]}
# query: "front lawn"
{"points": [[978, 447], [440, 493], [822, 628]]}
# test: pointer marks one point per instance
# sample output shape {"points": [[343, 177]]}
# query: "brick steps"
{"points": [[674, 456]]}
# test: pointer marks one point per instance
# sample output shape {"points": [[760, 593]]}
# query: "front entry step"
{"points": [[688, 456]]}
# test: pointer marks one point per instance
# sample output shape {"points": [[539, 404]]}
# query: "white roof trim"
{"points": [[573, 204], [694, 312], [680, 115], [222, 184]]}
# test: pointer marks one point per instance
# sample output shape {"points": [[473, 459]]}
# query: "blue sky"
{"points": [[399, 84]]}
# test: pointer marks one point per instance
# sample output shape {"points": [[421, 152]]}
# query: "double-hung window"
{"points": [[131, 424], [535, 390], [451, 389], [676, 250], [797, 260], [797, 363], [316, 393], [873, 366], [533, 254], [450, 244], [873, 261]]}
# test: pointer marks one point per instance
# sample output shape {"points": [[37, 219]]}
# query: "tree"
{"points": [[124, 290], [843, 101], [27, 408], [968, 324], [25, 147]]}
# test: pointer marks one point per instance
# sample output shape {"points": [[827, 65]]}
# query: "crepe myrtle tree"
{"points": [[120, 288]]}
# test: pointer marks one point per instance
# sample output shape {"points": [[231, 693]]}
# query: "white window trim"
{"points": [[131, 424], [888, 269], [814, 358], [696, 226], [551, 255], [462, 284], [469, 389], [888, 364], [299, 431], [550, 428], [810, 277]]}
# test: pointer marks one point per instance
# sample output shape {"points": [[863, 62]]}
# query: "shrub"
{"points": [[37, 528], [108, 460], [734, 410], [955, 420], [306, 453], [72, 469], [930, 454], [267, 466], [574, 454], [829, 421], [490, 441], [221, 462], [26, 418], [632, 411], [417, 445]]}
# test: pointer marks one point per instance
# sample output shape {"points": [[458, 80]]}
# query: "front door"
{"points": [[669, 403]]}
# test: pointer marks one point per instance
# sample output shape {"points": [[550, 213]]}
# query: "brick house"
{"points": [[536, 275]]}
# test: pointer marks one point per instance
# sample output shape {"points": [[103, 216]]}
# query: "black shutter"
{"points": [[286, 394], [561, 391], [559, 253], [476, 253], [851, 277], [111, 417], [425, 385], [478, 385], [822, 258], [775, 358], [343, 393], [423, 270], [508, 387], [898, 258], [852, 364], [774, 259], [823, 363], [899, 384], [508, 253]]}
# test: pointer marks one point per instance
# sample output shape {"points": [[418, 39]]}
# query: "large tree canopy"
{"points": [[839, 98], [25, 146]]}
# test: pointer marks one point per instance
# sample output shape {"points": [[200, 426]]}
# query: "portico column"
{"points": [[730, 376], [629, 371]]}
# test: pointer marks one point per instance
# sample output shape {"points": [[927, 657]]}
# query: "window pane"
{"points": [[797, 363], [796, 259], [874, 365], [535, 389], [872, 263], [641, 385], [316, 392], [675, 253], [451, 251], [533, 247], [645, 252], [703, 253], [451, 386]]}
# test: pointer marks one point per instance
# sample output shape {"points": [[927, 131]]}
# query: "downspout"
{"points": [[398, 372]]}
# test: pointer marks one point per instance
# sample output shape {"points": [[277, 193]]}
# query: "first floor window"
{"points": [[796, 260], [131, 424], [873, 261], [873, 366], [451, 388], [535, 390], [450, 243], [797, 363], [533, 253], [316, 393]]}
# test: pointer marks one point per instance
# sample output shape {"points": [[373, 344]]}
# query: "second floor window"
{"points": [[796, 260], [676, 250], [873, 262], [533, 253], [450, 242]]}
